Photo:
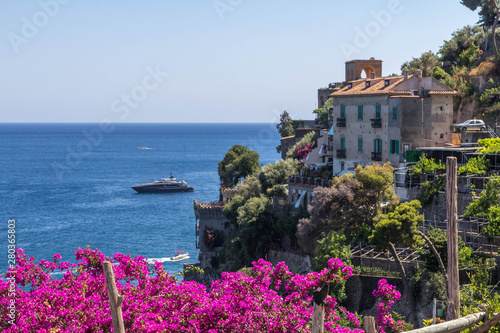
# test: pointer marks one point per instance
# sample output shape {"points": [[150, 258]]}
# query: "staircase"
{"points": [[492, 133]]}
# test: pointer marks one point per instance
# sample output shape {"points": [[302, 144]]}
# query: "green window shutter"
{"points": [[342, 143], [377, 111], [397, 147], [360, 112], [342, 111], [394, 113], [391, 147], [360, 144], [375, 145]]}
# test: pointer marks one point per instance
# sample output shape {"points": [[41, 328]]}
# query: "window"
{"points": [[349, 85], [377, 145], [367, 84], [377, 111], [394, 113], [342, 166], [386, 83], [360, 144], [395, 147], [342, 142], [360, 112], [342, 111], [441, 108]]}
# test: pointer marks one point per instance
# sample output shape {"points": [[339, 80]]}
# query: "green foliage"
{"points": [[427, 165], [468, 56], [250, 187], [436, 286], [308, 139], [440, 241], [286, 225], [238, 163], [333, 245], [477, 297], [277, 173], [429, 190], [493, 228], [353, 200], [213, 238], [489, 146], [489, 197], [445, 78], [426, 63], [460, 41], [475, 166], [254, 220], [487, 10], [399, 226], [374, 271], [285, 127]]}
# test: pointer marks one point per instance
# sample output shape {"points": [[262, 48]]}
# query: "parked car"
{"points": [[472, 124]]}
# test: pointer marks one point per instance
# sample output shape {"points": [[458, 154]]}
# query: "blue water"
{"points": [[67, 190]]}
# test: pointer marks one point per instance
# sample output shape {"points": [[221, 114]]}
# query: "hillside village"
{"points": [[377, 146]]}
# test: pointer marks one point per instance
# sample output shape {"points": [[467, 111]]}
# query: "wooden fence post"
{"points": [[318, 319], [369, 325], [115, 300], [453, 279]]}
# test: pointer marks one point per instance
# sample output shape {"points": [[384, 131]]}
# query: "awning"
{"points": [[297, 204], [331, 131]]}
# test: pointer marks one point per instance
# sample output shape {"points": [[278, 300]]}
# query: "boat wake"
{"points": [[153, 260]]}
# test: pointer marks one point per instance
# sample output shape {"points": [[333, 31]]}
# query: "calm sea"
{"points": [[68, 185]]}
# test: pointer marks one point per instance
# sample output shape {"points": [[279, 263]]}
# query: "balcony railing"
{"points": [[376, 123], [376, 156], [340, 122], [340, 153]]}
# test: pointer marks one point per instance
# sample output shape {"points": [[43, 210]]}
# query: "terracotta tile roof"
{"points": [[399, 92], [437, 92], [377, 87]]}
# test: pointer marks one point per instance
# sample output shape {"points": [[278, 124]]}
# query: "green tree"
{"points": [[400, 227], [285, 127], [489, 198], [426, 62], [333, 245], [488, 13], [475, 166], [238, 163], [461, 40], [352, 202], [277, 173]]}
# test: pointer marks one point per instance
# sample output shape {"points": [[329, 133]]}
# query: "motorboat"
{"points": [[179, 255], [165, 185]]}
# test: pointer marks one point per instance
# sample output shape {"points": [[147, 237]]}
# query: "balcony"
{"points": [[376, 123], [376, 156], [340, 122], [340, 153]]}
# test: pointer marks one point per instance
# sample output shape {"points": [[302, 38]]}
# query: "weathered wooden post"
{"points": [[369, 325], [318, 319], [115, 300], [434, 308], [451, 198]]}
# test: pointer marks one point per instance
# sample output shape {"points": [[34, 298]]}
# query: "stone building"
{"points": [[379, 119]]}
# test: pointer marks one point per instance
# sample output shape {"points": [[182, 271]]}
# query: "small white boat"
{"points": [[179, 255]]}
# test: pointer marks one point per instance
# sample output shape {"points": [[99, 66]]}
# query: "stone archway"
{"points": [[366, 72]]}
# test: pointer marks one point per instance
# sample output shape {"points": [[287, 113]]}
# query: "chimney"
{"points": [[372, 75], [405, 74], [418, 73]]}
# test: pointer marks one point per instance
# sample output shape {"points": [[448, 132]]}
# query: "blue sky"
{"points": [[199, 61]]}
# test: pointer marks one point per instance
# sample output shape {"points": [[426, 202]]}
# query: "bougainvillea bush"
{"points": [[270, 299]]}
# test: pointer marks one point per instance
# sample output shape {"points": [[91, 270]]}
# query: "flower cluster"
{"points": [[302, 152], [389, 295], [270, 299]]}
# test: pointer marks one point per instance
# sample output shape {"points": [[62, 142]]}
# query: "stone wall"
{"points": [[298, 263]]}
